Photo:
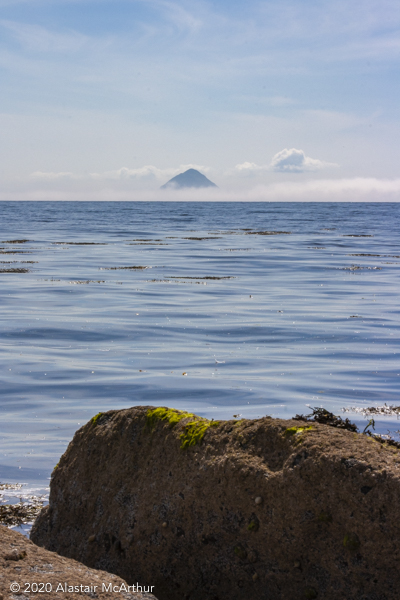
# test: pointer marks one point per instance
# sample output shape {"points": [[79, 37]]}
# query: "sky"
{"points": [[271, 100]]}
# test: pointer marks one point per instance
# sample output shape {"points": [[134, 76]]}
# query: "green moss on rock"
{"points": [[171, 415], [351, 542], [193, 431], [96, 418], [296, 430], [240, 552], [253, 526], [325, 517]]}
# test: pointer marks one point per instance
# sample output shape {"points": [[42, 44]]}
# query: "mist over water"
{"points": [[217, 308]]}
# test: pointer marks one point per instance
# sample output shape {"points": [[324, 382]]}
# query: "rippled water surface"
{"points": [[220, 309]]}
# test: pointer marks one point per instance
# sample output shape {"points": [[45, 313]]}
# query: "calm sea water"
{"points": [[217, 308]]}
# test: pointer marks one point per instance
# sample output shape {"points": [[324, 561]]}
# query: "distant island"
{"points": [[189, 179]]}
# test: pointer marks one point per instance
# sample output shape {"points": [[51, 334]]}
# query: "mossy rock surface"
{"points": [[264, 509], [194, 427]]}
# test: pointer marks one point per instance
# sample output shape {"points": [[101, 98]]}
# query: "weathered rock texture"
{"points": [[265, 510], [40, 573]]}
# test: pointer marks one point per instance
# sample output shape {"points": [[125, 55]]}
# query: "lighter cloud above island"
{"points": [[287, 161], [50, 176], [147, 172]]}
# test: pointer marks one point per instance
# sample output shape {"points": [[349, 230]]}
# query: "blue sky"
{"points": [[117, 97]]}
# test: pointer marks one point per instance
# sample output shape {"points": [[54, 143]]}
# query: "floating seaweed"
{"points": [[15, 270], [14, 241], [267, 232], [83, 282], [125, 268], [199, 239], [377, 255], [81, 243], [191, 277], [15, 252]]}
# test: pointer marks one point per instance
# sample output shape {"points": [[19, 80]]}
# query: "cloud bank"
{"points": [[318, 190]]}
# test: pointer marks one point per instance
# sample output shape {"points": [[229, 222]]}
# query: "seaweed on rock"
{"points": [[323, 416]]}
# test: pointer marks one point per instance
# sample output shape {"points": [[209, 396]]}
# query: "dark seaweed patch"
{"points": [[267, 232], [199, 239], [377, 255], [15, 252], [25, 511], [83, 282], [177, 281], [190, 277], [19, 514], [14, 241], [81, 243], [131, 268], [321, 415], [15, 270]]}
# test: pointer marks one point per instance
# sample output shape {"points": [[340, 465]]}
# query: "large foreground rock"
{"points": [[265, 510], [27, 571]]}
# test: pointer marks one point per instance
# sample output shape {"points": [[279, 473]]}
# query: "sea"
{"points": [[223, 309]]}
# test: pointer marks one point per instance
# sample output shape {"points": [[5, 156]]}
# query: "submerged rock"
{"points": [[262, 509], [26, 570]]}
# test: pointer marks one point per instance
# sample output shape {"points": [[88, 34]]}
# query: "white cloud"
{"points": [[178, 15], [295, 161], [285, 161], [250, 168], [49, 176], [148, 172]]}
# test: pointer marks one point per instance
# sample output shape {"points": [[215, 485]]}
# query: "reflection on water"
{"points": [[219, 309]]}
